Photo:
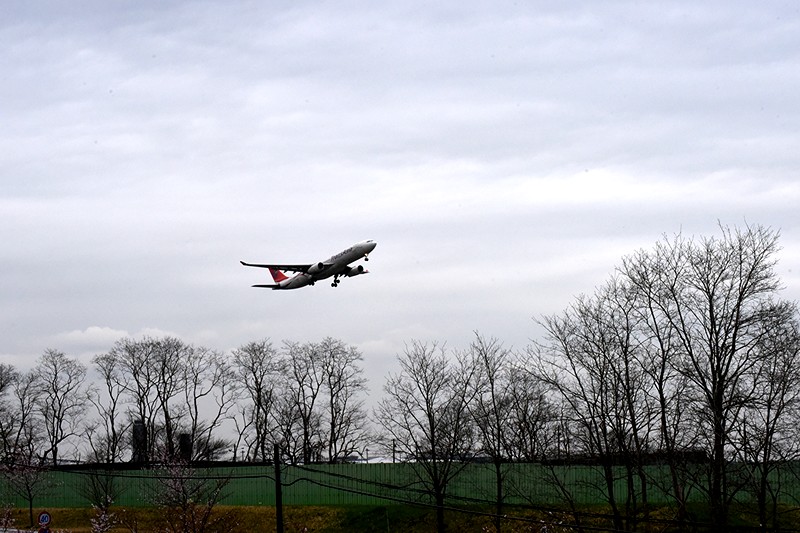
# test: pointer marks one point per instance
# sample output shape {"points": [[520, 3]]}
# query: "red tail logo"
{"points": [[277, 275]]}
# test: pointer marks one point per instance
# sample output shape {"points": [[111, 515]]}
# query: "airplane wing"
{"points": [[288, 268]]}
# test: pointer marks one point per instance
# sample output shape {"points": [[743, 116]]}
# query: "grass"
{"points": [[337, 519], [147, 519], [342, 519], [321, 519]]}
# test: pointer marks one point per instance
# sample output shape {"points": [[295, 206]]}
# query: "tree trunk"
{"points": [[441, 526], [498, 495]]}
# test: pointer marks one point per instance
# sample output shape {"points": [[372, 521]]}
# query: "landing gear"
{"points": [[335, 281]]}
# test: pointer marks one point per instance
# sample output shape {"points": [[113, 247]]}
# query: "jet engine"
{"points": [[356, 270], [316, 269]]}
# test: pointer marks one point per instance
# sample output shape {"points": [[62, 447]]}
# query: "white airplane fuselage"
{"points": [[336, 266]]}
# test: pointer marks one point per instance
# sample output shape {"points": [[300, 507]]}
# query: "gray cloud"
{"points": [[505, 157]]}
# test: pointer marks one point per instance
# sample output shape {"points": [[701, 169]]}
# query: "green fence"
{"points": [[353, 484]]}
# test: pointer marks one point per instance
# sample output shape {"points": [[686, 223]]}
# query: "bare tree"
{"points": [[767, 436], [534, 428], [718, 306], [306, 378], [208, 387], [21, 439], [7, 376], [342, 385], [288, 423], [242, 419], [106, 437], [189, 497], [61, 398], [589, 359], [165, 382], [424, 413], [257, 366], [8, 415], [493, 408], [169, 366], [651, 275], [134, 360], [101, 488], [672, 355], [23, 466], [27, 478]]}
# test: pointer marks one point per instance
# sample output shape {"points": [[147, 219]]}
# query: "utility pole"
{"points": [[278, 489]]}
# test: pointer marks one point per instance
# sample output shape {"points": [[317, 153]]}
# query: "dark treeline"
{"points": [[155, 395], [685, 357], [686, 351]]}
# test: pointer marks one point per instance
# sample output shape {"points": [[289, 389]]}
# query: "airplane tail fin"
{"points": [[277, 275]]}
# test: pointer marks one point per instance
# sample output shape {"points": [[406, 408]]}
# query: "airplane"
{"points": [[308, 274]]}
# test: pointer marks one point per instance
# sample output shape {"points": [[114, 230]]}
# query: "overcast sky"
{"points": [[504, 155]]}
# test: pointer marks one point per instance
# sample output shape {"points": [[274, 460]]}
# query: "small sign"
{"points": [[44, 518]]}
